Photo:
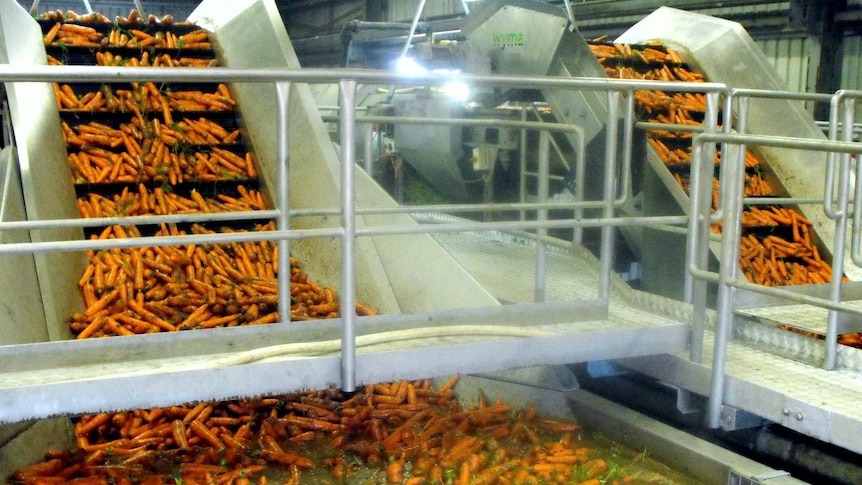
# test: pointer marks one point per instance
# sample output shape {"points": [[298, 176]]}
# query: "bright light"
{"points": [[457, 90], [409, 66]]}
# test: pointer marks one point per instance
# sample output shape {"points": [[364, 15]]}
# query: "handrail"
{"points": [[347, 230], [15, 73], [614, 190], [731, 194]]}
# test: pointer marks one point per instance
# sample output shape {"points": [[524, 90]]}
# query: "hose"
{"points": [[309, 349]]}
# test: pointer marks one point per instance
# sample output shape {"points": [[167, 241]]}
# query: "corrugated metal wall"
{"points": [[404, 10], [323, 19], [851, 69], [790, 56]]}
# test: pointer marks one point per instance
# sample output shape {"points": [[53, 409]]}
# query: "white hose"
{"points": [[308, 349]]}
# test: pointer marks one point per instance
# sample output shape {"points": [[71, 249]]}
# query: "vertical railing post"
{"points": [[369, 149], [839, 243], [628, 146], [580, 177], [522, 165], [731, 231], [606, 257], [542, 214], [347, 136], [697, 246], [282, 202]]}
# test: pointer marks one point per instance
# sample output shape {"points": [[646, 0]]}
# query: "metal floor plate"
{"points": [[804, 317], [505, 266]]}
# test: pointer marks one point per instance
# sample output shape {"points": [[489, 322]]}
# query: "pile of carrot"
{"points": [[777, 247], [202, 131], [66, 34], [157, 289], [96, 17], [159, 202], [143, 99], [408, 432], [157, 162], [146, 60], [76, 30]]}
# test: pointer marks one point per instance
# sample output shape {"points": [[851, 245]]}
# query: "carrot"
{"points": [[103, 302], [395, 471], [449, 384], [52, 33], [595, 467], [43, 469], [178, 430], [90, 423], [590, 481], [206, 434], [287, 458]]}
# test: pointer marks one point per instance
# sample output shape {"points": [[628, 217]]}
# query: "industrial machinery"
{"points": [[473, 298], [525, 38]]}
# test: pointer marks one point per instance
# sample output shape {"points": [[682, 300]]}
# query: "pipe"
{"points": [[140, 7], [282, 197], [542, 214], [419, 9], [522, 164], [697, 243], [609, 192], [806, 455], [569, 13], [839, 244], [731, 232], [347, 299], [406, 47]]}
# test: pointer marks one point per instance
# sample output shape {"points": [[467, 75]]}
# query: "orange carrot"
{"points": [[206, 434], [395, 471]]}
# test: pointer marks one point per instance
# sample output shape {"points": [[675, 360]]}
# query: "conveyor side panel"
{"points": [[725, 53], [390, 277], [45, 174]]}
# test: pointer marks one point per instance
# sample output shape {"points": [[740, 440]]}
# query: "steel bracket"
{"points": [[733, 419], [806, 418]]}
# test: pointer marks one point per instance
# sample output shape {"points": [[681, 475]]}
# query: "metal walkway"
{"points": [[803, 397]]}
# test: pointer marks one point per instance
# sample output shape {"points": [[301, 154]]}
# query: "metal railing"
{"points": [[616, 183], [616, 190], [835, 204]]}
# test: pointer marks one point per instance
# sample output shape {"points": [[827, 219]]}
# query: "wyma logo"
{"points": [[510, 39]]}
